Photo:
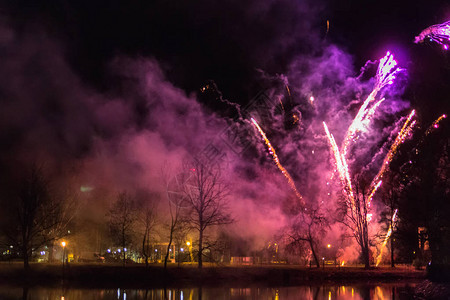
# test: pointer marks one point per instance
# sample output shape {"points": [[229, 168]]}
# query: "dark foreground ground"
{"points": [[137, 276]]}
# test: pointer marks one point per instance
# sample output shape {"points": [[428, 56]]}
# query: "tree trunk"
{"points": [[366, 257], [168, 249], [200, 249], [392, 237], [124, 255], [145, 249], [314, 253], [26, 262]]}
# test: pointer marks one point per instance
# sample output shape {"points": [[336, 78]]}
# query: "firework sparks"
{"points": [[402, 134], [281, 104], [388, 235], [288, 90], [277, 161], [365, 122], [439, 33], [406, 129], [341, 163], [375, 188], [435, 124], [386, 74]]}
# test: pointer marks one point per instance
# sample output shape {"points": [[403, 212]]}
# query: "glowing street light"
{"points": [[329, 246], [189, 244], [63, 245]]}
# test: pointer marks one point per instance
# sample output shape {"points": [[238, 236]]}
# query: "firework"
{"points": [[388, 235], [386, 74], [439, 33], [277, 160], [374, 189], [435, 124], [402, 134], [341, 163], [288, 90]]}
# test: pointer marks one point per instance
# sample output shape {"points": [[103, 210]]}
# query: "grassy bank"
{"points": [[137, 276]]}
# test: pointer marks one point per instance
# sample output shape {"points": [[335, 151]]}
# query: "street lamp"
{"points": [[188, 243], [63, 244]]}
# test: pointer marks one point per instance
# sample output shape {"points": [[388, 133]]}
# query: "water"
{"points": [[383, 291]]}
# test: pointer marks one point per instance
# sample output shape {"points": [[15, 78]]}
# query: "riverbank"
{"points": [[138, 276]]}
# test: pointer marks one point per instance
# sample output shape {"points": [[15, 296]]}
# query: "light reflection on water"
{"points": [[324, 292]]}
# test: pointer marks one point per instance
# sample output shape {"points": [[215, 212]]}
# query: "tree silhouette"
{"points": [[353, 213], [206, 196], [39, 217], [307, 228], [122, 218]]}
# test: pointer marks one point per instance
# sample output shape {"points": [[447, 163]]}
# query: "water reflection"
{"points": [[323, 292]]}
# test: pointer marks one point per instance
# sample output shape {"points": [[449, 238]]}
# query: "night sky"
{"points": [[103, 92], [224, 40]]}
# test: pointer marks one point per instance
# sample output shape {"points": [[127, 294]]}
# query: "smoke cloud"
{"points": [[106, 140]]}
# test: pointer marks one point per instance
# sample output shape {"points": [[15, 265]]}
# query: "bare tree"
{"points": [[206, 196], [353, 213], [39, 217], [122, 218], [176, 223], [176, 203], [308, 227], [180, 238], [147, 221]]}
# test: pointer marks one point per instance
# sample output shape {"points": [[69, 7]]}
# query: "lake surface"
{"points": [[383, 291]]}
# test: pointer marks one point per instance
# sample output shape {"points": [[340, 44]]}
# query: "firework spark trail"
{"points": [[277, 161], [406, 129], [374, 189], [370, 113], [386, 74], [402, 134], [388, 235], [435, 124], [341, 163], [288, 90], [439, 33]]}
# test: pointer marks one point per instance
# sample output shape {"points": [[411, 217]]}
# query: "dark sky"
{"points": [[223, 40]]}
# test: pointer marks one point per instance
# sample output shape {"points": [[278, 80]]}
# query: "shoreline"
{"points": [[138, 276]]}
